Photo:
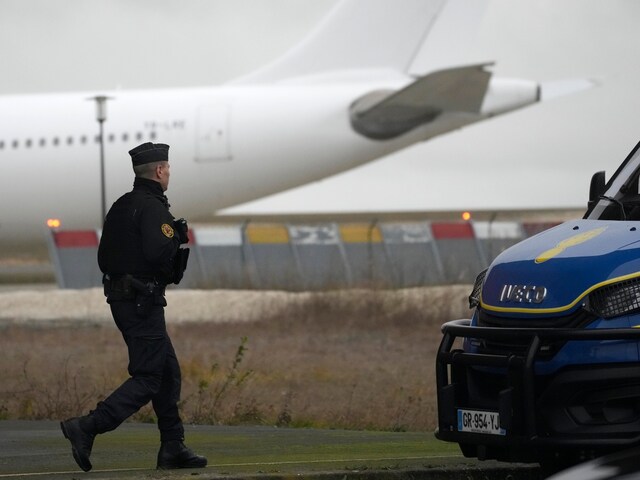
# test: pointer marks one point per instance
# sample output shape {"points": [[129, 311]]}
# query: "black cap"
{"points": [[149, 152]]}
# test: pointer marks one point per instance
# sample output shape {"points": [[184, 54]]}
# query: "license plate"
{"points": [[480, 421]]}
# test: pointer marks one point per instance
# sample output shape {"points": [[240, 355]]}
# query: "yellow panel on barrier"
{"points": [[360, 233], [267, 233]]}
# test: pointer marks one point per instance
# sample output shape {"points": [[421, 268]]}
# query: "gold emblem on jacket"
{"points": [[167, 230]]}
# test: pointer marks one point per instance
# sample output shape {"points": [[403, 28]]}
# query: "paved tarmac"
{"points": [[37, 450]]}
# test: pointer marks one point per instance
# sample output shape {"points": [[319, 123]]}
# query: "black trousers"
{"points": [[154, 369]]}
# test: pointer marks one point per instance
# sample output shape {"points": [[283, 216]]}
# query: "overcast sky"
{"points": [[542, 156]]}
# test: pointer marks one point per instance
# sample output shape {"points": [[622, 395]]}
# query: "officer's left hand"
{"points": [[182, 230]]}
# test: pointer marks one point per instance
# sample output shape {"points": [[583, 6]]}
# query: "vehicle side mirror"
{"points": [[596, 189]]}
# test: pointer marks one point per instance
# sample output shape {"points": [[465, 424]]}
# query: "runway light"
{"points": [[466, 216], [53, 223]]}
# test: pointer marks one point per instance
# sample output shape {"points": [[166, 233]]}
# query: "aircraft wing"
{"points": [[384, 115], [449, 99]]}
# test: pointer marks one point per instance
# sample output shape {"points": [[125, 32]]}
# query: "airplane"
{"points": [[340, 98]]}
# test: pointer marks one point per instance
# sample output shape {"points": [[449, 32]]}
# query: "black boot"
{"points": [[174, 454], [81, 432]]}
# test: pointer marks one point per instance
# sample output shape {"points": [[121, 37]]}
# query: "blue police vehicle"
{"points": [[548, 367]]}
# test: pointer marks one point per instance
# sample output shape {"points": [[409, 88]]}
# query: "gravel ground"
{"points": [[35, 304]]}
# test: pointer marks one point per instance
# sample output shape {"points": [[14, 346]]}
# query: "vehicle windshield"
{"points": [[621, 200]]}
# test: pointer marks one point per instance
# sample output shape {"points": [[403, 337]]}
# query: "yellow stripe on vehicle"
{"points": [[563, 308]]}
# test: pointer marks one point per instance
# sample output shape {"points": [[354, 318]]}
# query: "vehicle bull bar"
{"points": [[524, 363]]}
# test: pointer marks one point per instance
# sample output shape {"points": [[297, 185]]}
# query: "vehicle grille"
{"points": [[517, 346], [621, 298]]}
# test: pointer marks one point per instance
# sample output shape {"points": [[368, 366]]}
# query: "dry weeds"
{"points": [[360, 359]]}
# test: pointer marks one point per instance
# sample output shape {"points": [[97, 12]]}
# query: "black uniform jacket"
{"points": [[138, 236]]}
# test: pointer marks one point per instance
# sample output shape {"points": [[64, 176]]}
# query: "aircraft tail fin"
{"points": [[357, 34]]}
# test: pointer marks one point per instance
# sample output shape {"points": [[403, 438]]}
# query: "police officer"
{"points": [[140, 254]]}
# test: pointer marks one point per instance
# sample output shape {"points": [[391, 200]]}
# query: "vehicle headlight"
{"points": [[616, 299], [474, 298]]}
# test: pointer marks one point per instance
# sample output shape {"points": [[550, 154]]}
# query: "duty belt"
{"points": [[128, 285]]}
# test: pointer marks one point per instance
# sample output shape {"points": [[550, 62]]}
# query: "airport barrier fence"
{"points": [[318, 256]]}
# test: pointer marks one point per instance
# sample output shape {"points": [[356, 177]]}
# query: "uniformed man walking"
{"points": [[140, 254]]}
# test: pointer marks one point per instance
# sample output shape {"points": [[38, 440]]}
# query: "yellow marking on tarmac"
{"points": [[222, 465], [69, 472], [294, 462], [360, 233]]}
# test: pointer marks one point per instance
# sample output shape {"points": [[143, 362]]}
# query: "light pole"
{"points": [[101, 116]]}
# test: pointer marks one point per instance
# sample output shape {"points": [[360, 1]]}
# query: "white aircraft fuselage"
{"points": [[341, 98], [228, 145]]}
